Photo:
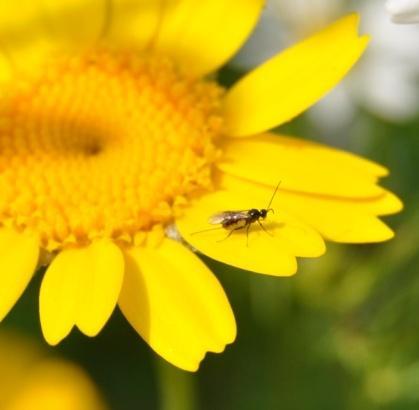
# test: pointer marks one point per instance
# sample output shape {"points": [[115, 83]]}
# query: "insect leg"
{"points": [[231, 232], [247, 234], [260, 224]]}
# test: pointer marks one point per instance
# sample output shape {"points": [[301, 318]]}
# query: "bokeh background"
{"points": [[344, 332]]}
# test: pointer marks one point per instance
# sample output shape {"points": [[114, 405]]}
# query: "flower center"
{"points": [[104, 145]]}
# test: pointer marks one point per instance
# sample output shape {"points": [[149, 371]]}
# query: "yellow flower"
{"points": [[31, 380], [112, 130]]}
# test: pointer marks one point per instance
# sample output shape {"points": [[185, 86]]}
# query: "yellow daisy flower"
{"points": [[29, 379], [112, 130]]}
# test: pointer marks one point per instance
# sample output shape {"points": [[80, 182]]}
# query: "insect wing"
{"points": [[219, 218], [226, 216]]}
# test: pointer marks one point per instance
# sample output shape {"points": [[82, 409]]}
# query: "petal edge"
{"points": [[176, 304], [19, 257], [289, 83]]}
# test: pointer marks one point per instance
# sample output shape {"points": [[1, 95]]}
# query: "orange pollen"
{"points": [[105, 145]]}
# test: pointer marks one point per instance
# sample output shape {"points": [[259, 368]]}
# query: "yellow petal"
{"points": [[176, 304], [19, 256], [203, 35], [272, 252], [385, 204], [301, 166], [81, 288], [102, 285], [33, 29], [75, 23], [336, 219], [6, 70], [133, 22], [292, 81]]}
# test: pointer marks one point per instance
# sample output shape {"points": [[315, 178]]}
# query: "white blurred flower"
{"points": [[403, 11], [386, 80]]}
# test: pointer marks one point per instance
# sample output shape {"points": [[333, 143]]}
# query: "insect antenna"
{"points": [[207, 230], [272, 197]]}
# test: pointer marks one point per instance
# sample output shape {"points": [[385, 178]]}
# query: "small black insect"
{"points": [[236, 220]]}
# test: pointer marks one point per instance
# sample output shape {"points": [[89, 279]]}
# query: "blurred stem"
{"points": [[176, 387]]}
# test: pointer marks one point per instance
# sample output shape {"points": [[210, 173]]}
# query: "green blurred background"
{"points": [[341, 334]]}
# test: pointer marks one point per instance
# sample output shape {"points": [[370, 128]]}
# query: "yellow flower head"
{"points": [[32, 380], [112, 132]]}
